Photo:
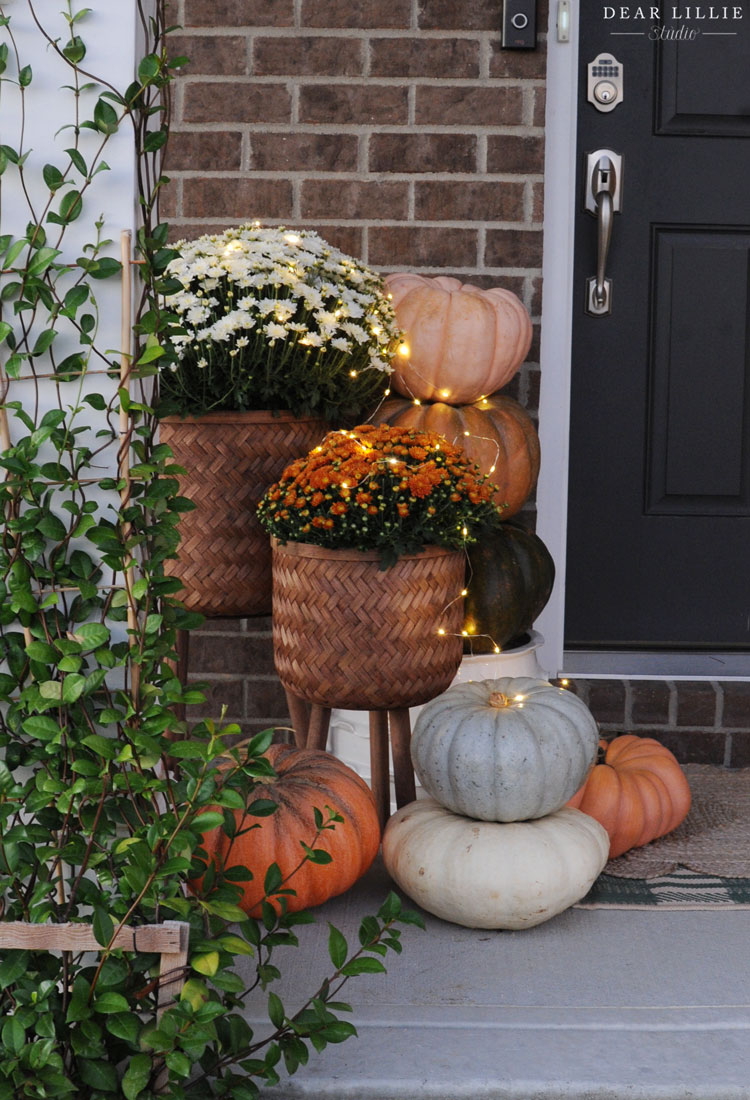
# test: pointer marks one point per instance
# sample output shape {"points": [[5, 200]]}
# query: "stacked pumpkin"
{"points": [[496, 846], [462, 345]]}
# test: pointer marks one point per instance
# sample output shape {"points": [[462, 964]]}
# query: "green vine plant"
{"points": [[97, 824]]}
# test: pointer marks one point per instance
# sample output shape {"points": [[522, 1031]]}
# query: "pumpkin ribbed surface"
{"points": [[638, 793], [307, 778], [495, 432], [464, 342], [504, 750], [509, 580], [488, 875]]}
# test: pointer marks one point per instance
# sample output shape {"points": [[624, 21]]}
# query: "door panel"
{"points": [[659, 484]]}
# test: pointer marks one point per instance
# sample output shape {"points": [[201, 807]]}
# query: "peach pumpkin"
{"points": [[305, 779], [463, 342], [496, 433], [638, 792]]}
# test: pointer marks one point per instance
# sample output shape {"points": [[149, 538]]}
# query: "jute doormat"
{"points": [[705, 863]]}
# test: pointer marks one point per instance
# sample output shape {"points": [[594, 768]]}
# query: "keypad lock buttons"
{"points": [[605, 82]]}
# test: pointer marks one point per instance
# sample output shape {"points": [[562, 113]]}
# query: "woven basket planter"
{"points": [[346, 634], [231, 459]]}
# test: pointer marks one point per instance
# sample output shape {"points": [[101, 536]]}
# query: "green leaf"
{"points": [[103, 926], [42, 728], [14, 964], [136, 1076], [276, 1012], [13, 1035], [106, 747], [72, 687], [109, 1003], [206, 964], [24, 77], [273, 880], [50, 689], [337, 947], [338, 1031], [92, 635], [148, 68], [105, 117], [40, 651], [41, 260], [71, 206], [78, 161], [51, 526], [178, 1063], [363, 966], [99, 1075], [75, 50]]}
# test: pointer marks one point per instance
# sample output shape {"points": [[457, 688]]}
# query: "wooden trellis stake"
{"points": [[126, 277], [169, 940]]}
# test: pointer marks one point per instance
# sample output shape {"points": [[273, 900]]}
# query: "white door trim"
{"points": [[560, 207], [557, 320]]}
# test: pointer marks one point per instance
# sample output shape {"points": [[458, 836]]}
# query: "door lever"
{"points": [[603, 200]]}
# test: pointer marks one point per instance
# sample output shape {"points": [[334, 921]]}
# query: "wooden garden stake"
{"points": [[126, 428]]}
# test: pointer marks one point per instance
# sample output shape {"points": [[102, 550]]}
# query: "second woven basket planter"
{"points": [[347, 634], [230, 459]]}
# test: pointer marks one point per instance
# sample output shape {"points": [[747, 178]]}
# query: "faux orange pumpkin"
{"points": [[638, 792], [306, 778], [501, 438], [464, 342]]}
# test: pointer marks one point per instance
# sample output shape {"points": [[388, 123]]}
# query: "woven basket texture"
{"points": [[231, 459], [346, 634]]}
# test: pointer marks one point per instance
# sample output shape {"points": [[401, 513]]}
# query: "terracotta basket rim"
{"points": [[309, 550], [248, 416]]}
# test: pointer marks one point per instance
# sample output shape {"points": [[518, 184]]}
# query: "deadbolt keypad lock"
{"points": [[605, 84]]}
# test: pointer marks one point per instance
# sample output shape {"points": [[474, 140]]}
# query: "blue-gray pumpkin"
{"points": [[504, 750]]}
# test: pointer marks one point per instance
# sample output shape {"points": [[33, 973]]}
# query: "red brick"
{"points": [[222, 626], [353, 103], [540, 105], [513, 248], [508, 153], [229, 655], [259, 625], [239, 13], [386, 200], [465, 106], [736, 703], [606, 701], [436, 57], [468, 200], [463, 15], [169, 196], [533, 379], [419, 152], [235, 101], [210, 54], [266, 700], [348, 238], [199, 150], [740, 751], [514, 283], [696, 704], [244, 199], [693, 746], [537, 202], [384, 14], [415, 246], [536, 336], [536, 296], [303, 152], [521, 64], [308, 56], [650, 702]]}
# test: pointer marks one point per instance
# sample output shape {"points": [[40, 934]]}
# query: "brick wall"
{"points": [[396, 128], [702, 722]]}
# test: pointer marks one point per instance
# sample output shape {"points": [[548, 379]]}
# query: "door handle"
{"points": [[603, 199]]}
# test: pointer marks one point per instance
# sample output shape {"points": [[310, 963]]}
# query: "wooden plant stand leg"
{"points": [[317, 731], [299, 712], [379, 782], [403, 770]]}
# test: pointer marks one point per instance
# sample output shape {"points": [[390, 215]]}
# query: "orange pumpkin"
{"points": [[306, 778], [638, 792], [496, 433], [463, 342]]}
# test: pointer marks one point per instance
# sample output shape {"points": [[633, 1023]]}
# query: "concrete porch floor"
{"points": [[593, 1005]]}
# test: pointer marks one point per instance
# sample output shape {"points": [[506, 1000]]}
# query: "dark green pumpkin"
{"points": [[509, 579]]}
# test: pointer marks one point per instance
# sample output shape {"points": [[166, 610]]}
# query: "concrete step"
{"points": [[593, 1005]]}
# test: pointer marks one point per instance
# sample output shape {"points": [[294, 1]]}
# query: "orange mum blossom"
{"points": [[395, 490]]}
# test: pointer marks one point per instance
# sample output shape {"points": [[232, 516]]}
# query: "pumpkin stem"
{"points": [[497, 699]]}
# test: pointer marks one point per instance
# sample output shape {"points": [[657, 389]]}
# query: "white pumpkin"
{"points": [[504, 750], [483, 874]]}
